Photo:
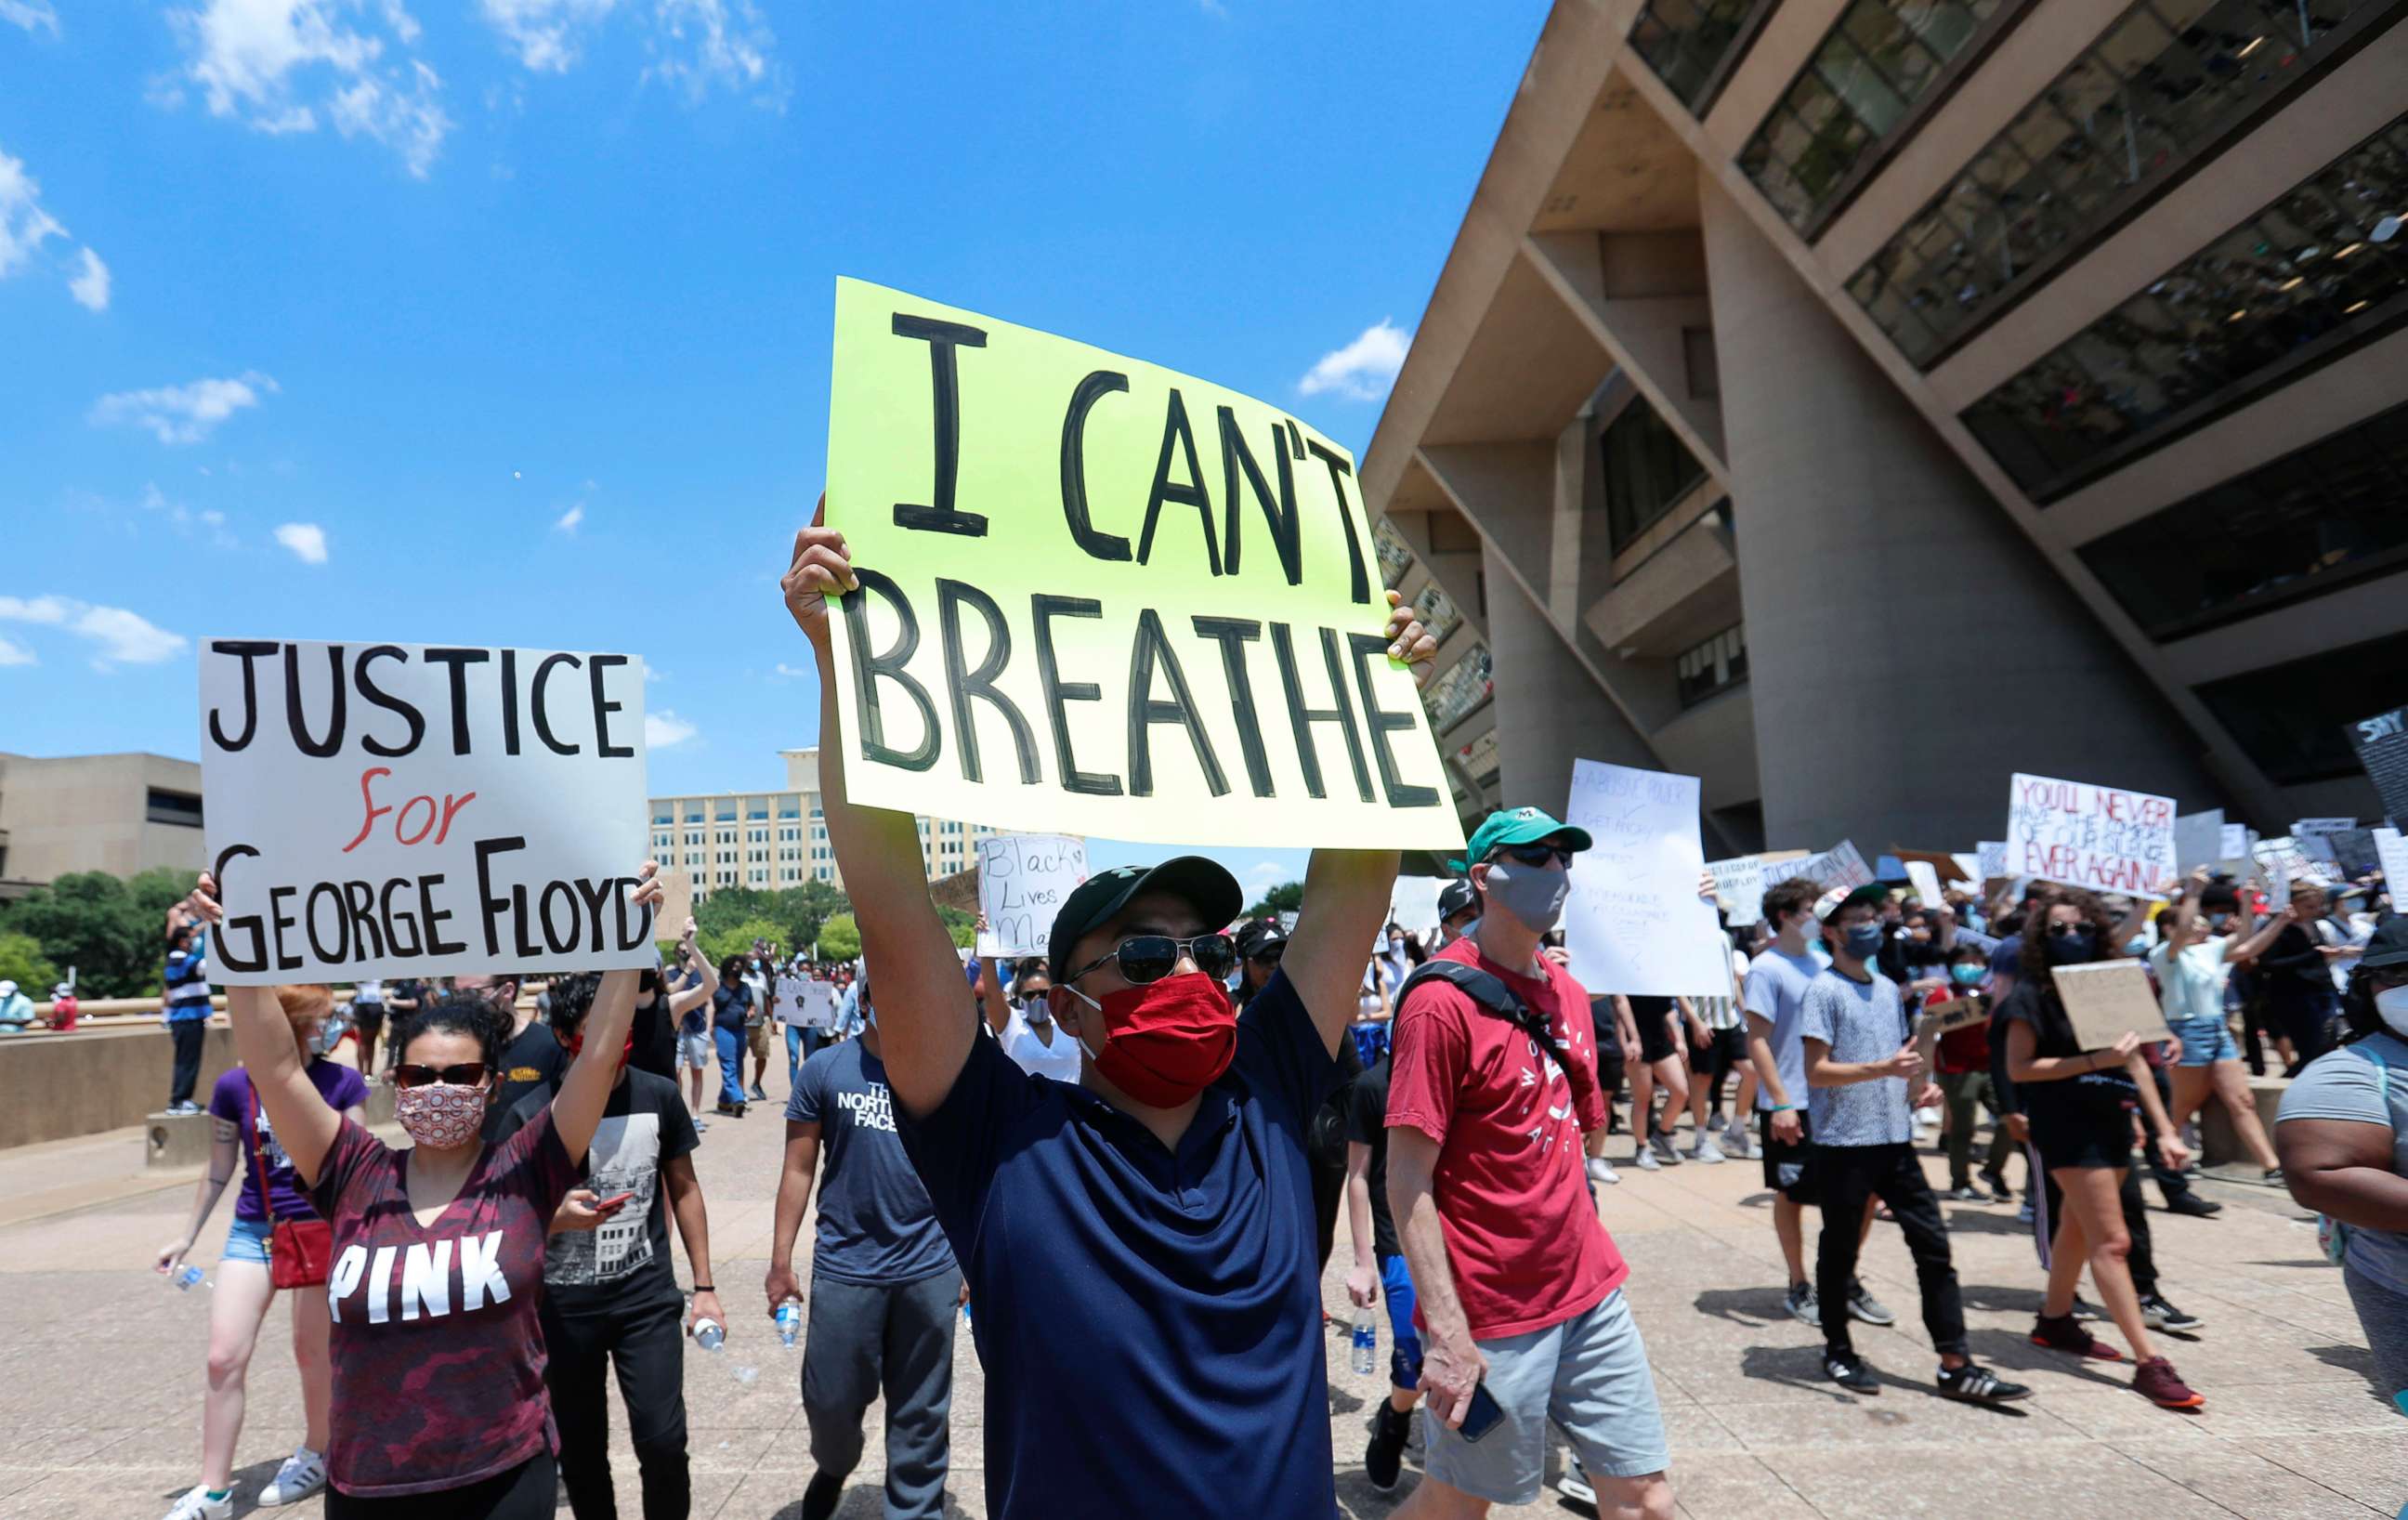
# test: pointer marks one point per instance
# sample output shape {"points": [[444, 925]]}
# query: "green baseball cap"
{"points": [[1517, 826]]}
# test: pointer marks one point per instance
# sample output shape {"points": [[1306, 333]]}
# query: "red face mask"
{"points": [[575, 1045], [1166, 1042]]}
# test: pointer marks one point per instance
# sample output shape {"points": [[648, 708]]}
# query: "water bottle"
{"points": [[186, 1277], [709, 1334], [1367, 1342], [790, 1323]]}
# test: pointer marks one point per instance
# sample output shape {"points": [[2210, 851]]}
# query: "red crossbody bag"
{"points": [[299, 1251]]}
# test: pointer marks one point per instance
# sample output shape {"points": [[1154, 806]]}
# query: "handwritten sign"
{"points": [[2391, 850], [1992, 857], [1956, 1014], [1926, 880], [1635, 921], [392, 809], [1023, 880], [2103, 839], [1739, 882], [806, 1003], [2106, 1000], [1098, 596], [2382, 745], [1840, 866]]}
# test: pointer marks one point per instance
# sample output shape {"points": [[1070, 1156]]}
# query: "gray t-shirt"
{"points": [[1860, 1021], [876, 1224], [1775, 990], [2349, 1085]]}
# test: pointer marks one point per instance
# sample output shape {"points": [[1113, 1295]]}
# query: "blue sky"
{"points": [[506, 322]]}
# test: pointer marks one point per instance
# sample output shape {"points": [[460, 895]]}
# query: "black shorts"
{"points": [[1724, 1052], [1788, 1169], [2079, 1135], [367, 1016], [1656, 1042]]}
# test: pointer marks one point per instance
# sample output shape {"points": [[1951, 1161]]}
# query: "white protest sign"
{"points": [[2391, 852], [400, 810], [1992, 856], [2234, 846], [789, 991], [1023, 878], [1412, 903], [2105, 1000], [1969, 867], [806, 1002], [2321, 825], [1840, 866], [2198, 840], [1739, 881], [2104, 839], [1975, 938], [1635, 921], [1926, 880]]}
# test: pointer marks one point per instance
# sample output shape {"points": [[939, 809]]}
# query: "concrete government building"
{"points": [[770, 840], [120, 813], [1851, 402]]}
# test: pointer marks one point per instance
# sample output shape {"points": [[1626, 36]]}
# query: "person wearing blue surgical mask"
{"points": [[1963, 1059]]}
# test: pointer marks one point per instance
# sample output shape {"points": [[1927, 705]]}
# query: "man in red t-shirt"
{"points": [[1519, 1286]]}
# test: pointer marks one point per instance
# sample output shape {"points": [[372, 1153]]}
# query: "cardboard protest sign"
{"points": [[1840, 866], [1992, 853], [2100, 838], [2382, 745], [677, 903], [388, 809], [1740, 884], [1412, 903], [1103, 598], [1635, 921], [2198, 840], [2105, 1000], [1023, 878], [1926, 881], [1956, 1014]]}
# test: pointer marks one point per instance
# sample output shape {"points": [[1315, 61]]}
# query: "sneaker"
{"points": [[821, 1494], [2155, 1381], [1601, 1170], [1666, 1150], [303, 1474], [1978, 1385], [187, 1106], [2068, 1335], [2163, 1315], [1574, 1484], [702, 1127], [1851, 1373], [2024, 1214], [197, 1505], [2084, 1309], [1803, 1306], [1737, 1142], [1927, 1118], [1996, 1184], [1863, 1306], [758, 1096], [2271, 1176], [1384, 1457], [2193, 1205], [1706, 1151], [1644, 1159], [1966, 1193]]}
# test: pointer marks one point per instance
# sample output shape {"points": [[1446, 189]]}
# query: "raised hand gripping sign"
{"points": [[1102, 597], [387, 809]]}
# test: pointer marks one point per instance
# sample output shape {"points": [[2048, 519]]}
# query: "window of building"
{"points": [[2120, 126], [2292, 719], [1440, 615], [1718, 665], [725, 813], [1396, 555], [789, 809], [1693, 44], [1646, 471], [1479, 758], [759, 813], [1460, 689], [665, 816], [182, 808], [2312, 275], [1451, 533], [2315, 520], [1877, 61]]}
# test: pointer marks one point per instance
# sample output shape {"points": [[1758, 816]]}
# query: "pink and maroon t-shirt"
{"points": [[437, 1356]]}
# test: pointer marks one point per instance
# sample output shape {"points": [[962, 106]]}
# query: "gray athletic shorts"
{"points": [[1588, 1375]]}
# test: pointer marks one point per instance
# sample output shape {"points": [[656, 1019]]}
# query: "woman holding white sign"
{"points": [[438, 1251], [2079, 1103]]}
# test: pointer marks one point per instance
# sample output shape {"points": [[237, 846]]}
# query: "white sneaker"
{"points": [[197, 1505], [303, 1474], [1925, 1118], [1737, 1143], [1601, 1170], [1646, 1160], [1707, 1152]]}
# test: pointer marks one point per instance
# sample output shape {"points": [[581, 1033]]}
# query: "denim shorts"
{"points": [[1588, 1376], [2206, 1041], [247, 1241], [693, 1050]]}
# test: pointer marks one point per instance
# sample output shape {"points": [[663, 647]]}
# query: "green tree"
{"points": [[840, 939], [90, 920], [21, 962], [1286, 897], [962, 927], [736, 938]]}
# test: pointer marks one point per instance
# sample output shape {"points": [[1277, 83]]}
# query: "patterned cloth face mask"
{"points": [[440, 1115]]}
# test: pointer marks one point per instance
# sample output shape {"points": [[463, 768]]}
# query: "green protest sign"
{"points": [[1098, 596]]}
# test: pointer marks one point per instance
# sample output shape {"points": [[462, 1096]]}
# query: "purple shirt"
{"points": [[230, 1100]]}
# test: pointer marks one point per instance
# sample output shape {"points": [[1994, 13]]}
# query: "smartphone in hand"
{"points": [[1483, 1414], [613, 1205]]}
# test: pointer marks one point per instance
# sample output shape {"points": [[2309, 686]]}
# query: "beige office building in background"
{"points": [[120, 813], [1851, 402], [772, 840]]}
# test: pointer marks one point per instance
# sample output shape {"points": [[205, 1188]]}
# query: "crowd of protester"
{"points": [[1151, 1131]]}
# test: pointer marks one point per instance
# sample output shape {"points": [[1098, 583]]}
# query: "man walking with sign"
{"points": [[1164, 1205]]}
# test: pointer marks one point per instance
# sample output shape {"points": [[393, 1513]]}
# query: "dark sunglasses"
{"points": [[1535, 854], [2061, 931], [466, 1075], [1149, 958]]}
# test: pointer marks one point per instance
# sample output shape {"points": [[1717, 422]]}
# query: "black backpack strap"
{"points": [[1490, 995]]}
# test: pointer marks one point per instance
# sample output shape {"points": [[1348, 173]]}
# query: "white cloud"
{"points": [[567, 521], [705, 44], [1364, 370], [90, 287], [23, 223], [544, 33], [182, 413], [665, 730], [12, 653], [123, 637], [34, 16], [787, 672], [307, 541], [276, 64], [1266, 873]]}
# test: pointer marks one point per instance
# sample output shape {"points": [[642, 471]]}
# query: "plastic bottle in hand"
{"points": [[790, 1323], [1367, 1342], [186, 1278], [710, 1334]]}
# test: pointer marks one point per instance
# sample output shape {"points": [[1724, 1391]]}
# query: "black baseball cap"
{"points": [[1206, 886], [2390, 945], [1453, 899]]}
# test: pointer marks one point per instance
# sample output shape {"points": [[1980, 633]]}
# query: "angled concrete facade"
{"points": [[1733, 485]]}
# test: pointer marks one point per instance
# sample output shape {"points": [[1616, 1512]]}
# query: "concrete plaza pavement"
{"points": [[102, 1392]]}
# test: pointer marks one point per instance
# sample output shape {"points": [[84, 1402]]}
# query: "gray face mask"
{"points": [[1532, 894]]}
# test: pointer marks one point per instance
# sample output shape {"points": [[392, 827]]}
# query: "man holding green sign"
{"points": [[1140, 1246]]}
